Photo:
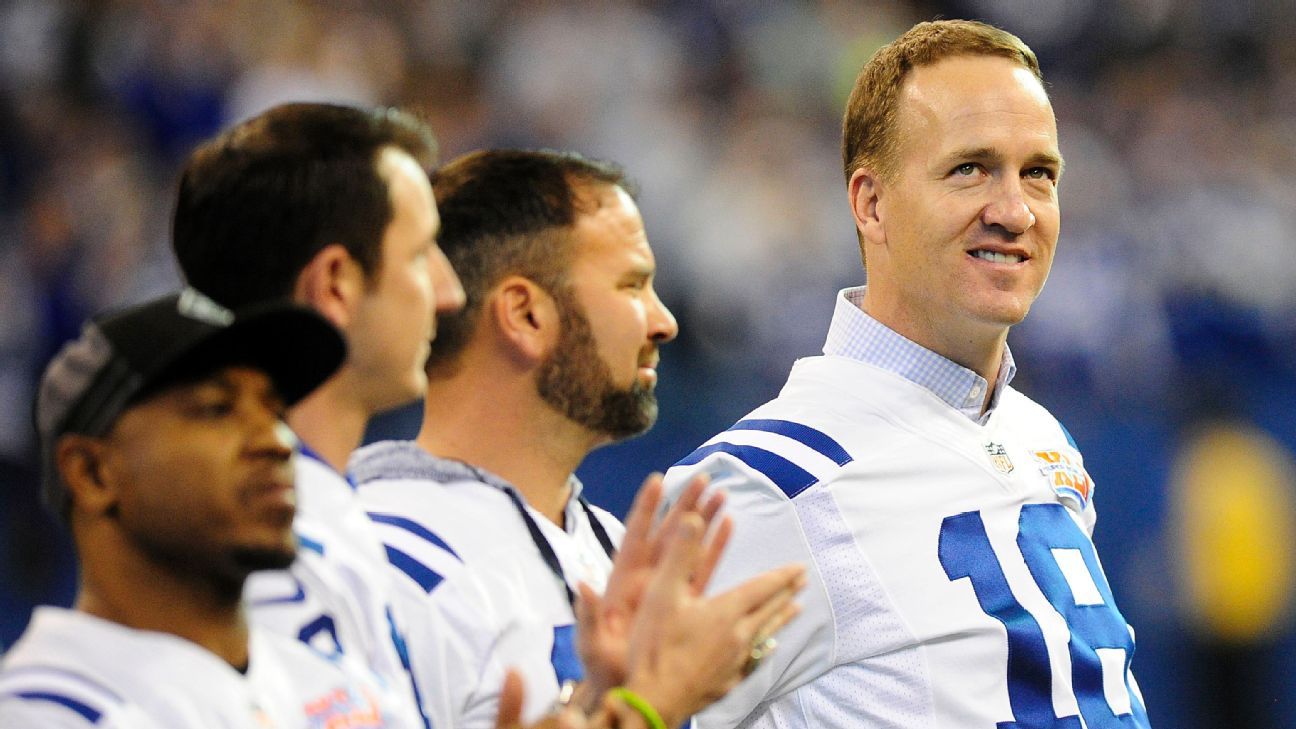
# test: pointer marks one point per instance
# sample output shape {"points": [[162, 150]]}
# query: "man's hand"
{"points": [[604, 623], [688, 650], [510, 709]]}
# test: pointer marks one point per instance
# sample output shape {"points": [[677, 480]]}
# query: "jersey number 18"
{"points": [[1100, 643]]}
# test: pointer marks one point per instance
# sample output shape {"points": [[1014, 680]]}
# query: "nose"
{"points": [[446, 287], [662, 326], [1009, 209], [269, 436]]}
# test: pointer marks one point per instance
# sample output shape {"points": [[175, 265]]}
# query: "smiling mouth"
{"points": [[995, 257]]}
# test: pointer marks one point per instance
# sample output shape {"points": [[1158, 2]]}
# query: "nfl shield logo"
{"points": [[999, 457]]}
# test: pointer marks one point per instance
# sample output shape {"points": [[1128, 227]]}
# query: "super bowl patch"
{"points": [[1067, 477]]}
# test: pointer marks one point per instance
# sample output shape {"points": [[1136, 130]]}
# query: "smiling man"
{"points": [[945, 516], [166, 454], [553, 355]]}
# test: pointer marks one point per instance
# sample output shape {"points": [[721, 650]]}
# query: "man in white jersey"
{"points": [[945, 517], [328, 206], [553, 355], [165, 453]]}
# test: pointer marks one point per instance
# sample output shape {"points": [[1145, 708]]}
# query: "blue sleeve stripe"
{"points": [[88, 713], [1067, 433], [306, 542], [426, 578], [815, 439], [788, 476], [416, 529]]}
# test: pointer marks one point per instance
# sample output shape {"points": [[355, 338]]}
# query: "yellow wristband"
{"points": [[639, 704]]}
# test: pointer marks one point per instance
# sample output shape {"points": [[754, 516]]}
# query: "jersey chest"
{"points": [[998, 583]]}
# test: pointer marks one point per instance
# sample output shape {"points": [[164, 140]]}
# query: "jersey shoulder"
{"points": [[784, 448]]}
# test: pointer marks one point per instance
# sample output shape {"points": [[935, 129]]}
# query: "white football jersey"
{"points": [[466, 559], [953, 582], [71, 669], [337, 596]]}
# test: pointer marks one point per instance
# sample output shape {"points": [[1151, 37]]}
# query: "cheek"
{"points": [[181, 480]]}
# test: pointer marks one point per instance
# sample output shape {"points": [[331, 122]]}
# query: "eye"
{"points": [[1039, 173], [967, 169], [637, 283], [211, 407]]}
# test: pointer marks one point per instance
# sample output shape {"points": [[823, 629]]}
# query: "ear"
{"points": [[83, 463], [866, 190], [526, 317], [332, 283]]}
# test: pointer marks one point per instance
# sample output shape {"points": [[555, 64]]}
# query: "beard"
{"points": [[223, 570], [576, 382]]}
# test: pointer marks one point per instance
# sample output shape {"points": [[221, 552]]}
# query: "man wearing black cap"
{"points": [[165, 452]]}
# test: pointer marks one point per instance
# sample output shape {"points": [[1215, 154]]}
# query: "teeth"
{"points": [[994, 257]]}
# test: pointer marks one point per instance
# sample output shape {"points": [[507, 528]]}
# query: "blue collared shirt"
{"points": [[860, 337]]}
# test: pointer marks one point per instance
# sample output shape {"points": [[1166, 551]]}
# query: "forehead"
{"points": [[409, 189], [609, 225], [975, 101]]}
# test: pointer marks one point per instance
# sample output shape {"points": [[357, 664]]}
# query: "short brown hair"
{"points": [[505, 212], [869, 127], [258, 202]]}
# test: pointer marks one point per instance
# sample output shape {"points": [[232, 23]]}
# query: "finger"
{"points": [[682, 552], [711, 555], [772, 614], [712, 505], [588, 606], [771, 627], [636, 544], [750, 596], [687, 503], [510, 702]]}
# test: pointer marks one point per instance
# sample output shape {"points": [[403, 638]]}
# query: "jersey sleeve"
{"points": [[18, 712], [461, 645], [61, 704], [767, 534]]}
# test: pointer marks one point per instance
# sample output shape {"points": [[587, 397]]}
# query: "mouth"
{"points": [[997, 256], [275, 492], [648, 371]]}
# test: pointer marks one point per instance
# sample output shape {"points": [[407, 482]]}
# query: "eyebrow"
{"points": [[989, 154]]}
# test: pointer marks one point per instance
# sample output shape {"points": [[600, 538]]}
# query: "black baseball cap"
{"points": [[121, 355]]}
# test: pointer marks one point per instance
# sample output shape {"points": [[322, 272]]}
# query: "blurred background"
{"points": [[1165, 340]]}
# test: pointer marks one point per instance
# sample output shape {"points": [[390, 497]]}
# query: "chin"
{"points": [[256, 558]]}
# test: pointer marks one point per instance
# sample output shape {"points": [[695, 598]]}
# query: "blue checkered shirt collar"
{"points": [[860, 337]]}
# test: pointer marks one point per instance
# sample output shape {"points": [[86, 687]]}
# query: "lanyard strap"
{"points": [[546, 549]]}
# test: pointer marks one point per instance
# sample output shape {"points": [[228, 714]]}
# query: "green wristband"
{"points": [[641, 705]]}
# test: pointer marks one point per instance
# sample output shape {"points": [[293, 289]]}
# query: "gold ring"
{"points": [[761, 647]]}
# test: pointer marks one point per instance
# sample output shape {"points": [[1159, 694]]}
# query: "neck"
{"points": [[331, 421], [977, 347], [501, 425], [127, 588]]}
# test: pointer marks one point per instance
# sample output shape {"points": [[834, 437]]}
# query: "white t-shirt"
{"points": [[953, 582], [466, 560], [74, 670]]}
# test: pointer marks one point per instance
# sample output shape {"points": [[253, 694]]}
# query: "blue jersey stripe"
{"points": [[1067, 433], [88, 713], [306, 542], [425, 576], [414, 528], [804, 434], [564, 657], [402, 650], [788, 476]]}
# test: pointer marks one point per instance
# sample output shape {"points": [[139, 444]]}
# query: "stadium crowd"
{"points": [[1172, 303]]}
